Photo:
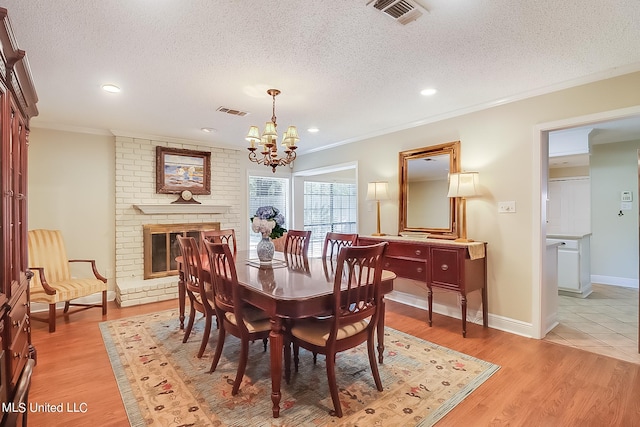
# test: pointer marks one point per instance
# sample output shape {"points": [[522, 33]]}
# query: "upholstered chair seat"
{"points": [[67, 290], [255, 320], [317, 332]]}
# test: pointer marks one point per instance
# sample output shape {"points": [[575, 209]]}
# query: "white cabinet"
{"points": [[574, 264], [569, 206]]}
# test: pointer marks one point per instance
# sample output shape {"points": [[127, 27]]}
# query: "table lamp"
{"points": [[461, 186], [378, 191]]}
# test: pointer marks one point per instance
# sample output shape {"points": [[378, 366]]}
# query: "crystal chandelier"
{"points": [[268, 141]]}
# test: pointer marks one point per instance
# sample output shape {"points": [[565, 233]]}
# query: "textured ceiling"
{"points": [[342, 66]]}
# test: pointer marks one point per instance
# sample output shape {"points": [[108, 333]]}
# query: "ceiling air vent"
{"points": [[232, 111], [403, 11]]}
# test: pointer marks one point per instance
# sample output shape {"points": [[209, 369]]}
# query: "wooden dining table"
{"points": [[287, 290]]}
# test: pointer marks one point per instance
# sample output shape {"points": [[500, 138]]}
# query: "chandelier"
{"points": [[268, 141]]}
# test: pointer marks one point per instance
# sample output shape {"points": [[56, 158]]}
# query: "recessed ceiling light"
{"points": [[111, 88], [428, 92], [313, 130], [207, 130]]}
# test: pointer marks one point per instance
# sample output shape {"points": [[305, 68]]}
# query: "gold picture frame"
{"points": [[180, 169]]}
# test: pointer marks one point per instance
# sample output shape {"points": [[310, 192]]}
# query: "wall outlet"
{"points": [[507, 207]]}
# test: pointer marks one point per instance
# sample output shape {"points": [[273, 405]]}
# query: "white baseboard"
{"points": [[615, 281], [501, 323]]}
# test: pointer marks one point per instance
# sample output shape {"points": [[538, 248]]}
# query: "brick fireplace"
{"points": [[135, 185]]}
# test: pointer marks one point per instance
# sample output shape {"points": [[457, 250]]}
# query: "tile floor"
{"points": [[606, 322]]}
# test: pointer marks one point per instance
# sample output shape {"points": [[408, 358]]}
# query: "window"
{"points": [[267, 191], [329, 207]]}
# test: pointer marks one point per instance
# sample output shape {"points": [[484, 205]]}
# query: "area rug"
{"points": [[163, 383]]}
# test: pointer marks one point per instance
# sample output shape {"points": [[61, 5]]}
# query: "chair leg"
{"points": [[242, 366], [372, 361], [296, 351], [192, 316], [264, 343], [219, 345], [286, 348], [104, 303], [330, 361], [315, 357], [67, 304], [52, 318], [205, 336]]}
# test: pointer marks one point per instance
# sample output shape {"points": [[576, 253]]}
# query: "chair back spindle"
{"points": [[334, 242]]}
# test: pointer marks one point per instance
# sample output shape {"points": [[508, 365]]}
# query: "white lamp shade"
{"points": [[291, 137], [254, 134], [269, 129], [464, 184], [378, 190]]}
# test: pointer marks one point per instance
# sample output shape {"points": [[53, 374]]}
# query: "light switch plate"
{"points": [[507, 207]]}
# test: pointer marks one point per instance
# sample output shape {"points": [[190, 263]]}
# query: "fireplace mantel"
{"points": [[177, 208]]}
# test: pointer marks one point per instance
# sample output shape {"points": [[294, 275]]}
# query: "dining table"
{"points": [[287, 289]]}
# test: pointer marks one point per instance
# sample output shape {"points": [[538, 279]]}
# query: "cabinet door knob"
{"points": [[386, 264], [16, 355], [419, 269], [444, 267], [418, 252]]}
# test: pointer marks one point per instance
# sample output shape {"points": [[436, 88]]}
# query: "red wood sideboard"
{"points": [[443, 264]]}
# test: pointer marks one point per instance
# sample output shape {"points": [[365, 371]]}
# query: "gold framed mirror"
{"points": [[424, 183]]}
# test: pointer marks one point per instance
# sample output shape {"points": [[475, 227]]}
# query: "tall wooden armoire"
{"points": [[17, 104]]}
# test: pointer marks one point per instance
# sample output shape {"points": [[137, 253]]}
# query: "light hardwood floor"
{"points": [[539, 384]]}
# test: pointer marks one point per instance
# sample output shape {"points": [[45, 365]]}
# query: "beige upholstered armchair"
{"points": [[52, 281]]}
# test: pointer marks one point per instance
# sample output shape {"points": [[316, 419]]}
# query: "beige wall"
{"points": [[500, 143], [71, 188], [614, 243]]}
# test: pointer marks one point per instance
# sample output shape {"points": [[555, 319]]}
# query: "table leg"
{"points": [[380, 331], [430, 304], [485, 317], [463, 302], [275, 350], [181, 296]]}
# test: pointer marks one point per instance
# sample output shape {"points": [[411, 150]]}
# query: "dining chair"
{"points": [[297, 242], [333, 242], [196, 288], [353, 318], [227, 236], [234, 315]]}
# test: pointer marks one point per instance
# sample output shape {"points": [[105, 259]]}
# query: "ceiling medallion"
{"points": [[268, 141]]}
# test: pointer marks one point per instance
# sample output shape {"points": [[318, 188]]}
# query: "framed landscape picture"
{"points": [[178, 170]]}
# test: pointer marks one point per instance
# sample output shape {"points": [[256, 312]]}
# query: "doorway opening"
{"points": [[607, 310]]}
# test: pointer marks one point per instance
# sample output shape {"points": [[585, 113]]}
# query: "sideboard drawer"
{"points": [[403, 267], [18, 316], [444, 268], [19, 353], [408, 250]]}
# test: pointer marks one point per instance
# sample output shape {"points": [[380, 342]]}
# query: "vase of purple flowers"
{"points": [[269, 222]]}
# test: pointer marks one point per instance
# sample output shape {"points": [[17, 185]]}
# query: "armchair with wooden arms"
{"points": [[52, 281]]}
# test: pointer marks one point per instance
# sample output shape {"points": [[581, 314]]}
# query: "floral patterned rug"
{"points": [[163, 383]]}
